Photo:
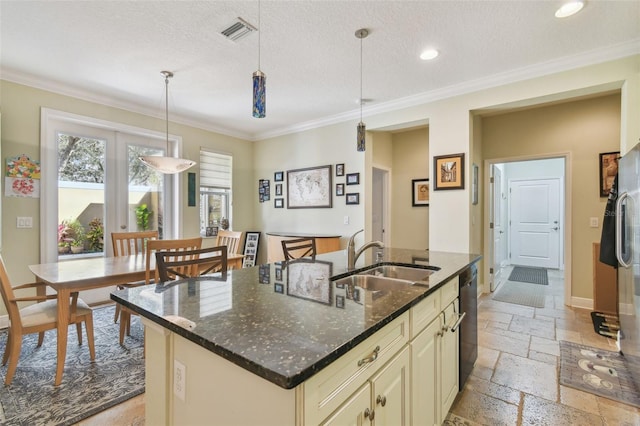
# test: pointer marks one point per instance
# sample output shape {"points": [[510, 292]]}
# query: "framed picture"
{"points": [[278, 272], [212, 231], [251, 242], [278, 288], [608, 170], [420, 192], [310, 280], [353, 198], [340, 302], [309, 188], [353, 178], [339, 189], [264, 274], [278, 189], [191, 189], [278, 203], [278, 176], [263, 190], [474, 184], [340, 169], [448, 171]]}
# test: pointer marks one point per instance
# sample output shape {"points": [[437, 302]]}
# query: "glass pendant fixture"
{"points": [[361, 33], [166, 165], [259, 83]]}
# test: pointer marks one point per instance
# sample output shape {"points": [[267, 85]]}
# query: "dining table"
{"points": [[87, 273]]}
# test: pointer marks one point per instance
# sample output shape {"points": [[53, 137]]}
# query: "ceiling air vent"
{"points": [[238, 30]]}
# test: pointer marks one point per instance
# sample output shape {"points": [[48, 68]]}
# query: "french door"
{"points": [[91, 175]]}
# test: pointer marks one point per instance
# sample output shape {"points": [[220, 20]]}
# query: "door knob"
{"points": [[555, 229], [123, 226]]}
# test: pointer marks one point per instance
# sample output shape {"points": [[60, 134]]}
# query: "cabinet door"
{"points": [[390, 391], [352, 412], [425, 350], [449, 357]]}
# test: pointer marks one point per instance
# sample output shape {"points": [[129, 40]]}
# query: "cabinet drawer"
{"points": [[424, 312], [449, 291], [327, 390]]}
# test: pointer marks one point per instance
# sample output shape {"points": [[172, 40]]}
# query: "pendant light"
{"points": [[166, 165], [361, 33], [259, 82]]}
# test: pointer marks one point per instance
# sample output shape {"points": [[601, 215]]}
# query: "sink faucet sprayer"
{"points": [[353, 255]]}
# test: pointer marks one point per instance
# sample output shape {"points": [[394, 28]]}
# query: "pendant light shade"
{"points": [[362, 128], [166, 165], [259, 82]]}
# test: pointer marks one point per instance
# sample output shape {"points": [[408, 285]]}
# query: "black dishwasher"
{"points": [[469, 326]]}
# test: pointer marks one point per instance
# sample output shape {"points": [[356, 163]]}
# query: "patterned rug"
{"points": [[601, 372], [520, 294], [87, 388], [529, 275]]}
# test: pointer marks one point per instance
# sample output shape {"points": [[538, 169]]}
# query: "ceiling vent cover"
{"points": [[238, 30]]}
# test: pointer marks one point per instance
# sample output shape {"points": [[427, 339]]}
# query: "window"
{"points": [[215, 189]]}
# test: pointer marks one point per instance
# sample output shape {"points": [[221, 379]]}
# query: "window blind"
{"points": [[215, 170]]}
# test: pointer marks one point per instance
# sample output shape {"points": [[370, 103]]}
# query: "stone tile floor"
{"points": [[515, 379]]}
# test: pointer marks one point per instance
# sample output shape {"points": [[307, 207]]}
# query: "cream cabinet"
{"points": [[383, 400], [434, 357]]}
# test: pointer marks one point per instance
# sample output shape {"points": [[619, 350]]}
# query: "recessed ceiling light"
{"points": [[570, 8], [429, 54]]}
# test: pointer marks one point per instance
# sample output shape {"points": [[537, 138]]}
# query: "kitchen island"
{"points": [[286, 344]]}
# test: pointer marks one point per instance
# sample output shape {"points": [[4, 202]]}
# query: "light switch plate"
{"points": [[24, 222], [593, 222]]}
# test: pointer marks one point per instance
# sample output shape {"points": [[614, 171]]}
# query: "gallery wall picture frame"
{"points": [[420, 192], [448, 172], [264, 190], [353, 178], [353, 198], [340, 169], [251, 245], [309, 188], [278, 189], [278, 176], [339, 189], [278, 203], [191, 189], [608, 167], [310, 280]]}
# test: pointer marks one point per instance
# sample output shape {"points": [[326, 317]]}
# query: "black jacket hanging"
{"points": [[608, 237]]}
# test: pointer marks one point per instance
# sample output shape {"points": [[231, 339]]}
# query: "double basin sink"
{"points": [[389, 277]]}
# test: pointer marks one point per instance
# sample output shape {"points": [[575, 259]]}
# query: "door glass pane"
{"points": [[81, 195], [145, 192]]}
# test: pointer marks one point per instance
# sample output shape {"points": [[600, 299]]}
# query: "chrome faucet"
{"points": [[353, 255]]}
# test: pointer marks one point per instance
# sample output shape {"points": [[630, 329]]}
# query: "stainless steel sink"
{"points": [[374, 283], [414, 275]]}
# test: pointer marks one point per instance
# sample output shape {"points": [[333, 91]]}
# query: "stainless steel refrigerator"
{"points": [[628, 253]]}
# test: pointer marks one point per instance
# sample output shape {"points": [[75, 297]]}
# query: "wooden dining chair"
{"points": [[176, 246], [37, 318], [173, 265], [129, 244], [299, 247], [231, 239]]}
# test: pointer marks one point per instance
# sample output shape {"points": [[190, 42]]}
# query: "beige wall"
{"points": [[21, 135], [582, 128]]}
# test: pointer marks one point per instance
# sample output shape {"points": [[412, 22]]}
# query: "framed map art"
{"points": [[309, 188]]}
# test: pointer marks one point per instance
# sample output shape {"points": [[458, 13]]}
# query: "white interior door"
{"points": [[535, 222], [379, 205], [499, 246]]}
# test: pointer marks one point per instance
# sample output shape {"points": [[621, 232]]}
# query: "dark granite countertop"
{"points": [[284, 324]]}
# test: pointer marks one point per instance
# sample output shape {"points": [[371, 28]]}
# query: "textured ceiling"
{"points": [[113, 51]]}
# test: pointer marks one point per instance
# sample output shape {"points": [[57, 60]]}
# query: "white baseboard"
{"points": [[582, 302], [4, 322]]}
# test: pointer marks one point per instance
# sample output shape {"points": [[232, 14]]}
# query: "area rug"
{"points": [[600, 372], [520, 294], [87, 388], [529, 275]]}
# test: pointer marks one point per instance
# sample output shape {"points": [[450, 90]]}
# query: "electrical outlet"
{"points": [[179, 379], [346, 220], [593, 222]]}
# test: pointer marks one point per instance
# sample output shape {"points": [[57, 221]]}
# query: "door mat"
{"points": [[520, 294], [87, 387], [529, 275], [605, 324], [600, 372]]}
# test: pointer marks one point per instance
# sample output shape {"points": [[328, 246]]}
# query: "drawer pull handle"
{"points": [[370, 358], [381, 400], [457, 324]]}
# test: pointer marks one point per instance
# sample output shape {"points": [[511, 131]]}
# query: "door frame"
{"points": [[386, 211], [566, 200]]}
